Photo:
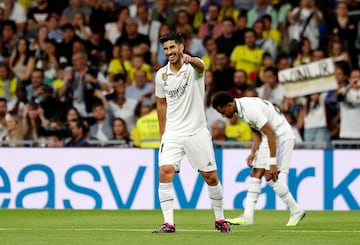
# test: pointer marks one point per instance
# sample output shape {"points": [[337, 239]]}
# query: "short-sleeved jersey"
{"points": [[184, 93], [257, 112], [246, 59]]}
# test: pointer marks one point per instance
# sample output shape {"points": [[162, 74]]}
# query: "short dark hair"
{"points": [[119, 76], [274, 70], [221, 98], [172, 36]]}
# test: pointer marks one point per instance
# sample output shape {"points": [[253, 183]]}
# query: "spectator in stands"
{"points": [[228, 10], [22, 62], [212, 27], [337, 50], [315, 123], [9, 39], [114, 30], [53, 108], [15, 12], [51, 63], [283, 62], [55, 32], [293, 110], [14, 131], [8, 84], [240, 85], [3, 113], [237, 129], [75, 6], [21, 100], [344, 27], [82, 29], [272, 90], [227, 41], [134, 38], [120, 133], [349, 98], [303, 56], [284, 9], [38, 45], [39, 14], [309, 14], [218, 133], [196, 15], [79, 130], [211, 50], [193, 45], [123, 107], [267, 45], [267, 61], [66, 46], [148, 27], [99, 48], [257, 12], [141, 86], [223, 73], [33, 118], [318, 54], [247, 57], [163, 12], [240, 28], [102, 12], [182, 18], [269, 32], [72, 114], [138, 63], [121, 63], [36, 80], [146, 133], [101, 129], [79, 88]]}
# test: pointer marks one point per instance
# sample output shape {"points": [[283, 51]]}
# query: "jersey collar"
{"points": [[239, 108]]}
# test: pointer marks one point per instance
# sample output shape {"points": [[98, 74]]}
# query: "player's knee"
{"points": [[257, 173], [166, 173], [210, 178]]}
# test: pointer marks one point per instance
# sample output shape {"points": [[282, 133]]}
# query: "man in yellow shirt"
{"points": [[238, 130], [247, 57], [146, 133]]}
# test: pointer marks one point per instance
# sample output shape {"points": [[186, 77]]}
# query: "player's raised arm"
{"points": [[196, 62]]}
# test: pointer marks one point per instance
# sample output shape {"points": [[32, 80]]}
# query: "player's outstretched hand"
{"points": [[186, 58]]}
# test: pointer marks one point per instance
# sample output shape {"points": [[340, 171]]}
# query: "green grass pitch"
{"points": [[193, 227]]}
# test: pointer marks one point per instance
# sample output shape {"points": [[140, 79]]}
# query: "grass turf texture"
{"points": [[193, 227]]}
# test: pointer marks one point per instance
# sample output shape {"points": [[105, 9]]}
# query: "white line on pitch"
{"points": [[179, 230]]}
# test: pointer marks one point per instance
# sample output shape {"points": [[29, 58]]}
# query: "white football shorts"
{"points": [[283, 155], [198, 148]]}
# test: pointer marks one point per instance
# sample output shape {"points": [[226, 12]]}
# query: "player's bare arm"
{"points": [[269, 132], [254, 147], [194, 61], [161, 111]]}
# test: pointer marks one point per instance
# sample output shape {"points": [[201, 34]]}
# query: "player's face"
{"points": [[173, 51], [226, 111]]}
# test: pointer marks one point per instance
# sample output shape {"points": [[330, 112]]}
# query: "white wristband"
{"points": [[272, 160]]}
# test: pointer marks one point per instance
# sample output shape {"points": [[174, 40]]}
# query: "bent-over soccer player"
{"points": [[273, 143]]}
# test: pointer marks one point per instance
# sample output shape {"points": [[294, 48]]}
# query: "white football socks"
{"points": [[282, 190], [216, 196], [252, 195], [166, 197]]}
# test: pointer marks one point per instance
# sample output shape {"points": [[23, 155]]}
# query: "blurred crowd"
{"points": [[81, 71]]}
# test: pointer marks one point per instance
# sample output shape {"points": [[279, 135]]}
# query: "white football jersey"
{"points": [[257, 112], [184, 93]]}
